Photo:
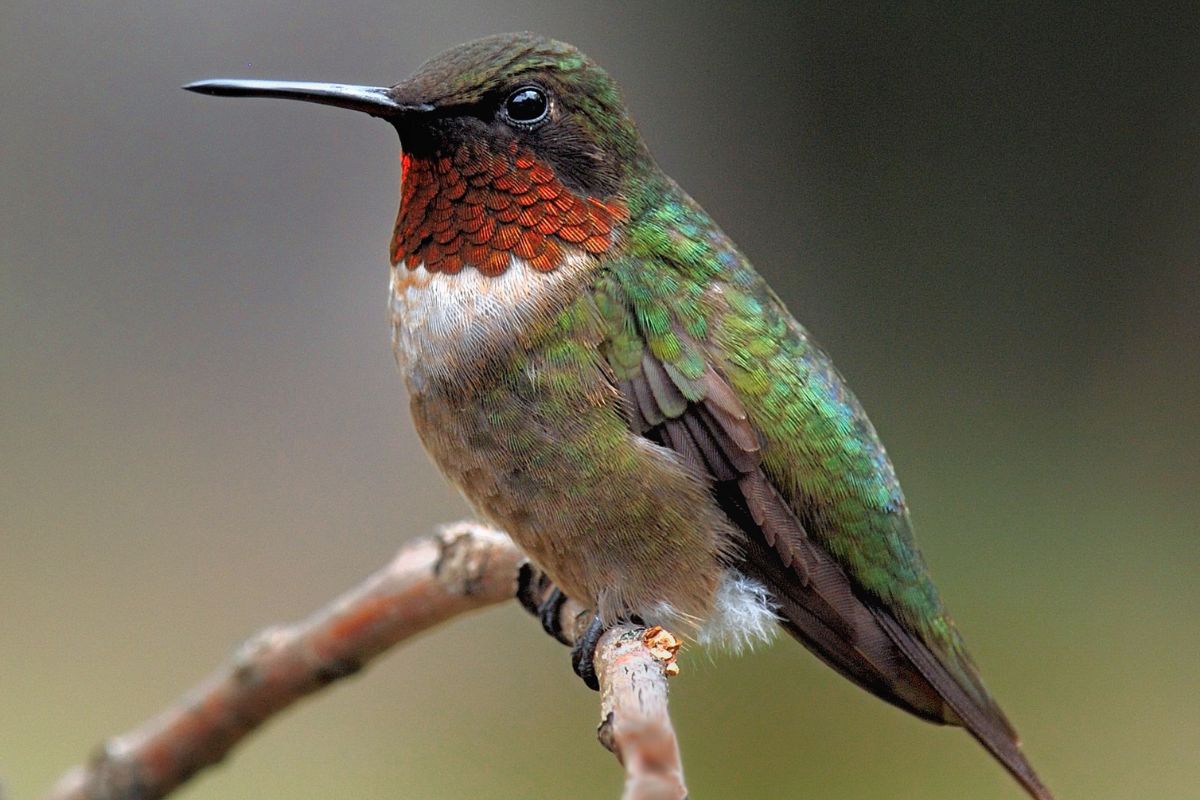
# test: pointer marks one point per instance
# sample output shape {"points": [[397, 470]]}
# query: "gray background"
{"points": [[989, 217]]}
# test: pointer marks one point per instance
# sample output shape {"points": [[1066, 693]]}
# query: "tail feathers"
{"points": [[979, 715], [842, 633], [858, 637]]}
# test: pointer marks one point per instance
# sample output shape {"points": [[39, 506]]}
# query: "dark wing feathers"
{"points": [[986, 723], [714, 439], [859, 651], [666, 393], [706, 425]]}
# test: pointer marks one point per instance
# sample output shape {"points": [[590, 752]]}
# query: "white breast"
{"points": [[442, 322]]}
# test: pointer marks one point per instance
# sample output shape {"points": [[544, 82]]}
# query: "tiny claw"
{"points": [[583, 653], [528, 588], [549, 614], [533, 597]]}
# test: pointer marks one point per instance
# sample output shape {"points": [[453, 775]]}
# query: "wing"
{"points": [[709, 363]]}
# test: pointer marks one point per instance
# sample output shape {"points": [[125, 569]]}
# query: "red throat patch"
{"points": [[476, 208]]}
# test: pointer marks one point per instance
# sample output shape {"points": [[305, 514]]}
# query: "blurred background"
{"points": [[991, 218]]}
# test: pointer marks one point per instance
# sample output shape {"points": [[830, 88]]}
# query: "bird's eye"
{"points": [[527, 106]]}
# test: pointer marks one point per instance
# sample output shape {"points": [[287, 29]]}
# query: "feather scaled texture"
{"points": [[476, 207]]}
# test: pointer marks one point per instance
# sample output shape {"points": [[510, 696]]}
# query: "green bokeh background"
{"points": [[990, 217]]}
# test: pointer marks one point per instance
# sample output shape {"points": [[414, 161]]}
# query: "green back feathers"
{"points": [[684, 295]]}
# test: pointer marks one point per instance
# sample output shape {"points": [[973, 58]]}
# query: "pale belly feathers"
{"points": [[613, 519]]}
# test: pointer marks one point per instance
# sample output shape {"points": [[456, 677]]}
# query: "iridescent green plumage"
{"points": [[682, 295], [819, 448]]}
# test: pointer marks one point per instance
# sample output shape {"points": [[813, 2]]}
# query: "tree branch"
{"points": [[633, 665], [431, 580]]}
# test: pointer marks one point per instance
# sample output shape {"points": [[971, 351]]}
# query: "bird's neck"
{"points": [[478, 207]]}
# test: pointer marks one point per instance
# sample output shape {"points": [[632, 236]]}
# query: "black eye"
{"points": [[527, 105]]}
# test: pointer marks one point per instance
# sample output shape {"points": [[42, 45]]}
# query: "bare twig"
{"points": [[633, 664], [430, 580]]}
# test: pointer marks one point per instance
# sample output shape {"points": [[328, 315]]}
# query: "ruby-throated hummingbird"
{"points": [[603, 374]]}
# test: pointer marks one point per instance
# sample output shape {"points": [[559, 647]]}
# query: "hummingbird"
{"points": [[601, 372]]}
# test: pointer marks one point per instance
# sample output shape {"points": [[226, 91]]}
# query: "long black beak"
{"points": [[374, 100]]}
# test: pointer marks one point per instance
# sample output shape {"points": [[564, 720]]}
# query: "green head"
{"points": [[542, 94]]}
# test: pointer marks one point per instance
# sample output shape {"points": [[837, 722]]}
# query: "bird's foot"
{"points": [[543, 599], [550, 614], [530, 583], [583, 652]]}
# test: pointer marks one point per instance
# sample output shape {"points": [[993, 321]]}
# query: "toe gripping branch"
{"points": [[541, 598], [635, 662], [583, 652]]}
